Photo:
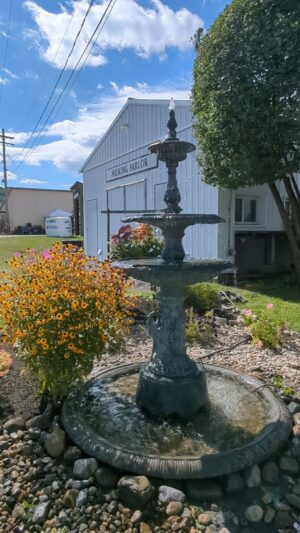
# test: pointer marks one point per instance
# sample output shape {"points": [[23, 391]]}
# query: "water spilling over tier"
{"points": [[173, 417]]}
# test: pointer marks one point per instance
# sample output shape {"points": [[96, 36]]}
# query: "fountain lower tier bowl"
{"points": [[243, 424], [175, 275]]}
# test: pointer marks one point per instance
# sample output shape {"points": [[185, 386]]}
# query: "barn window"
{"points": [[246, 210]]}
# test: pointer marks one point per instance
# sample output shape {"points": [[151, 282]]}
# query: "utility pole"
{"points": [[4, 144]]}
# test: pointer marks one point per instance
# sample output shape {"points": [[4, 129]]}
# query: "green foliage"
{"points": [[198, 331], [203, 297], [265, 328], [286, 390], [246, 99]]}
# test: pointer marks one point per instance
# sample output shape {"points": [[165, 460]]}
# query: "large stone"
{"points": [[270, 473], [174, 508], [254, 513], [252, 477], [206, 490], [55, 442], [82, 498], [269, 515], [40, 513], [295, 448], [41, 422], [294, 407], [85, 468], [69, 499], [14, 424], [283, 520], [135, 491], [234, 483], [71, 455], [296, 419], [289, 465], [204, 519], [294, 500], [170, 494], [145, 528], [296, 432], [105, 477]]}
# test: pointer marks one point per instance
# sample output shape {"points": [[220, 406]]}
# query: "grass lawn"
{"points": [[284, 297], [9, 245]]}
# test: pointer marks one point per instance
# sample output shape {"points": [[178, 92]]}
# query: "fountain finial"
{"points": [[172, 124]]}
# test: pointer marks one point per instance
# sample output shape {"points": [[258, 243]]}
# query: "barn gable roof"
{"points": [[130, 102]]}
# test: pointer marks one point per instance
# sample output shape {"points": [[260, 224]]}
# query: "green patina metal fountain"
{"points": [[173, 417]]}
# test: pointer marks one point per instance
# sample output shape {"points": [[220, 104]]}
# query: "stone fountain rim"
{"points": [[265, 443]]}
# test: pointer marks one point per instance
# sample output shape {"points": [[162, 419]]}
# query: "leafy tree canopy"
{"points": [[246, 93]]}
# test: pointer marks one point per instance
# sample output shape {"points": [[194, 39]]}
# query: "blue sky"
{"points": [[143, 51]]}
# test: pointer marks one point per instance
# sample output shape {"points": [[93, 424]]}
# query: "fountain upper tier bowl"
{"points": [[176, 275]]}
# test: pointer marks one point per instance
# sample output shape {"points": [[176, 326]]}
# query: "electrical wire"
{"points": [[5, 50], [48, 71], [56, 83], [99, 27]]}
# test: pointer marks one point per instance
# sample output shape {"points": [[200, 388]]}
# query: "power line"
{"points": [[102, 21], [5, 49], [57, 81], [49, 69]]}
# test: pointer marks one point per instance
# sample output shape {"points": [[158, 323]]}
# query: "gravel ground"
{"points": [[261, 363]]}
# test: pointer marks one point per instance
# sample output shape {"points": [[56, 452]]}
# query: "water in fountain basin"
{"points": [[234, 416]]}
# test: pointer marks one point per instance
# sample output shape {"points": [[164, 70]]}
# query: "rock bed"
{"points": [[48, 486]]}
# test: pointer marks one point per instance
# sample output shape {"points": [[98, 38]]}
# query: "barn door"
{"points": [[92, 227]]}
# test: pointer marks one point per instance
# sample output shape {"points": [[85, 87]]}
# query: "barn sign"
{"points": [[139, 164]]}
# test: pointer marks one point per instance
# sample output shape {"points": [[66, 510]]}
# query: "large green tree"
{"points": [[246, 103]]}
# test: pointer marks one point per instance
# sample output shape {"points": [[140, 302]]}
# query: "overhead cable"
{"points": [[56, 83], [99, 27]]}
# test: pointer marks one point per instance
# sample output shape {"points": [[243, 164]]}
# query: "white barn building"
{"points": [[121, 175]]}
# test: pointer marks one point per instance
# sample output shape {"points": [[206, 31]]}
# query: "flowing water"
{"points": [[235, 415]]}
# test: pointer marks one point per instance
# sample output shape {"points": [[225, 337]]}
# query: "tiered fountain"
{"points": [[173, 417]]}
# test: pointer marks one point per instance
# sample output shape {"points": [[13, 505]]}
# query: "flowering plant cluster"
{"points": [[62, 309], [135, 242], [265, 328]]}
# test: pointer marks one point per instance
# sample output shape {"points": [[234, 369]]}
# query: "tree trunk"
{"points": [[295, 207], [289, 228]]}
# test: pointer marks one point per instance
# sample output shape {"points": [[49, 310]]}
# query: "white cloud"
{"points": [[11, 74], [75, 139], [31, 75], [29, 181], [4, 81], [146, 30]]}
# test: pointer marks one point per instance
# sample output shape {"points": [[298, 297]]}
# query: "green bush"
{"points": [[203, 297], [264, 326]]}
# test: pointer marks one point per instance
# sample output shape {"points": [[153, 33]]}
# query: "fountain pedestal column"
{"points": [[171, 383]]}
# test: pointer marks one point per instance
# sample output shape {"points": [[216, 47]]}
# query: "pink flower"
{"points": [[246, 312], [260, 344], [17, 254], [46, 254], [269, 306]]}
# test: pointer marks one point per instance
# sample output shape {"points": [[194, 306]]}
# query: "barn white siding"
{"points": [[121, 174], [137, 125]]}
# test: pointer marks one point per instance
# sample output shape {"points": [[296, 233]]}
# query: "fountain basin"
{"points": [[243, 424]]}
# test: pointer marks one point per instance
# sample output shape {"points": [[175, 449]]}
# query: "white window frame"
{"points": [[244, 198]]}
